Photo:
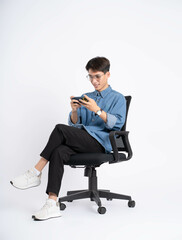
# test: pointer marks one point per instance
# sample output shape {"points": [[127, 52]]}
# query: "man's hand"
{"points": [[74, 105], [90, 105]]}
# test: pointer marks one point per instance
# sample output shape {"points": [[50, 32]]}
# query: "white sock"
{"points": [[52, 201], [36, 171]]}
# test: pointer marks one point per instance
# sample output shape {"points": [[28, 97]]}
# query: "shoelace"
{"points": [[29, 174], [46, 206]]}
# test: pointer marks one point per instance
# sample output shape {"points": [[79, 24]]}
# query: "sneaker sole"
{"points": [[37, 219], [31, 186]]}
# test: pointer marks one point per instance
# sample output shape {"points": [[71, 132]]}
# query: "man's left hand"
{"points": [[90, 105]]}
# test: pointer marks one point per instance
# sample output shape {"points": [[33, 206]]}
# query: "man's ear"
{"points": [[108, 74]]}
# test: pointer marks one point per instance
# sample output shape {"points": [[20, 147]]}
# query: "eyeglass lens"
{"points": [[97, 77]]}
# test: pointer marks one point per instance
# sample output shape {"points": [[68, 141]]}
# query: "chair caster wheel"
{"points": [[131, 204], [62, 206], [101, 210]]}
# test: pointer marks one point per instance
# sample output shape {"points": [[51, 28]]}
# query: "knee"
{"points": [[60, 150], [60, 125], [56, 152], [56, 156], [62, 128], [60, 154]]}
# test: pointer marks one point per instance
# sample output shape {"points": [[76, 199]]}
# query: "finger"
{"points": [[83, 104], [82, 101], [86, 97], [75, 102]]}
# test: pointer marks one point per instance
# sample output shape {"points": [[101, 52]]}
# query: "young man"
{"points": [[89, 122]]}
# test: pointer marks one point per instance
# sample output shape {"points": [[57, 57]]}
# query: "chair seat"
{"points": [[93, 159]]}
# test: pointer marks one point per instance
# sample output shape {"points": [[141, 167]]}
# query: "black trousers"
{"points": [[63, 142]]}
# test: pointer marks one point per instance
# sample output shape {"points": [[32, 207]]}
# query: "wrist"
{"points": [[99, 112], [97, 109]]}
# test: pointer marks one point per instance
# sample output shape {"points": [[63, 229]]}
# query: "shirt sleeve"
{"points": [[116, 116]]}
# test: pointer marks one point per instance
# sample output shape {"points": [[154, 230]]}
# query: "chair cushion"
{"points": [[92, 159]]}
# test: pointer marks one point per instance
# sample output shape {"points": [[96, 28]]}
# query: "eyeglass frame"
{"points": [[97, 77]]}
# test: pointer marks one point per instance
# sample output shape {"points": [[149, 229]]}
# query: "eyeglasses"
{"points": [[97, 77]]}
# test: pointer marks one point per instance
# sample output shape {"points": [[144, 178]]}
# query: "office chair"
{"points": [[89, 161]]}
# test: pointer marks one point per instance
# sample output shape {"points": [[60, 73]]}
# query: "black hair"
{"points": [[98, 64]]}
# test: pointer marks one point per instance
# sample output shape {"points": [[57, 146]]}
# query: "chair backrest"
{"points": [[120, 140], [128, 100]]}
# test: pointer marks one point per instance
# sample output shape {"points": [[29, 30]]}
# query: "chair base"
{"points": [[93, 192]]}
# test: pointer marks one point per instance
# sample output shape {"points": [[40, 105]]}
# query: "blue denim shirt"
{"points": [[111, 102]]}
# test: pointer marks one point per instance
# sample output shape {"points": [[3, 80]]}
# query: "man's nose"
{"points": [[94, 79]]}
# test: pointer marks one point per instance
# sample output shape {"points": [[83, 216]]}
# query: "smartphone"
{"points": [[77, 98]]}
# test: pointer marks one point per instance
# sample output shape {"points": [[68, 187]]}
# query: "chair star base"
{"points": [[94, 194]]}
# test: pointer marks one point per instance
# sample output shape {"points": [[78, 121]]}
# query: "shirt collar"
{"points": [[104, 92]]}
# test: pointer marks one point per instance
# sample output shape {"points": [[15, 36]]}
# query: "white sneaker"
{"points": [[49, 210], [27, 180]]}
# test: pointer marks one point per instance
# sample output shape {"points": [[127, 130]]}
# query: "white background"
{"points": [[44, 48]]}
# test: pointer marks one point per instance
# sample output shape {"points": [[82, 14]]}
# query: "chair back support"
{"points": [[128, 100], [120, 140]]}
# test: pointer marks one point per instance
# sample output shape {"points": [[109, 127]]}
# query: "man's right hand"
{"points": [[74, 104]]}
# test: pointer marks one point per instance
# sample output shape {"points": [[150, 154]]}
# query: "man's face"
{"points": [[98, 79]]}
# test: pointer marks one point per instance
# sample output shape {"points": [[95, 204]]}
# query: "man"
{"points": [[90, 122]]}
